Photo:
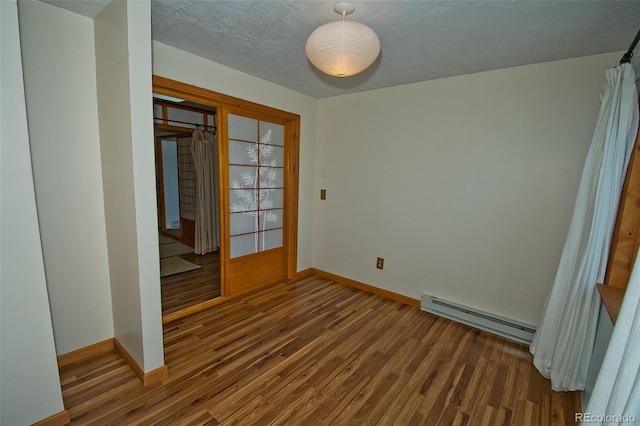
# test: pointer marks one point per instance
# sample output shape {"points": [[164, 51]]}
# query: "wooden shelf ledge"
{"points": [[612, 299]]}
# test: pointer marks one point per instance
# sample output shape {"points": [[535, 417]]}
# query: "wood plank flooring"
{"points": [[190, 288], [315, 352]]}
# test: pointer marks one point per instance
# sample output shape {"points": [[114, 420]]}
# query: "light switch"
{"points": [[323, 194]]}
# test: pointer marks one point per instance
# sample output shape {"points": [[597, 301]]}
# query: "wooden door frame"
{"points": [[165, 86]]}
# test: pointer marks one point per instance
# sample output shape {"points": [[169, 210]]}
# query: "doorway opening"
{"points": [[188, 204]]}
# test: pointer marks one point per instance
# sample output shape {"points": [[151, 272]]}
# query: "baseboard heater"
{"points": [[504, 327]]}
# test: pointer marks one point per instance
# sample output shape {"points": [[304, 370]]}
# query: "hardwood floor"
{"points": [[317, 352], [190, 288]]}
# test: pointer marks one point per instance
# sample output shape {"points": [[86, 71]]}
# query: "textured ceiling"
{"points": [[421, 40]]}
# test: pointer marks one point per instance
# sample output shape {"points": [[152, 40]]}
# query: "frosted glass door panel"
{"points": [[256, 185], [243, 128], [272, 239], [243, 245], [238, 152], [243, 176], [242, 224], [273, 219]]}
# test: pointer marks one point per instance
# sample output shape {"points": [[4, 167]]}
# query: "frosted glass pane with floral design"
{"points": [[239, 152], [243, 200], [274, 158], [271, 198], [277, 132], [271, 178], [272, 219], [256, 161], [243, 177]]}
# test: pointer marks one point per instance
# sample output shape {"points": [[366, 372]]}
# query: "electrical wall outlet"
{"points": [[380, 263]]}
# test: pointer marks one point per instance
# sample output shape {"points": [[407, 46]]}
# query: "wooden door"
{"points": [[255, 155]]}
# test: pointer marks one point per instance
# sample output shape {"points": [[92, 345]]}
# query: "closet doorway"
{"points": [[188, 203], [258, 166]]}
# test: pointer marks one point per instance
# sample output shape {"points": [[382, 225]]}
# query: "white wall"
{"points": [[59, 66], [144, 174], [464, 185], [29, 381], [185, 67], [123, 65]]}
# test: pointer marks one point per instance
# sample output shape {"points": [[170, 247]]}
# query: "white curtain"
{"points": [[204, 152], [617, 389], [563, 344]]}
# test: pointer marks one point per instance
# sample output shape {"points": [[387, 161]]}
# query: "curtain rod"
{"points": [[183, 122], [627, 56]]}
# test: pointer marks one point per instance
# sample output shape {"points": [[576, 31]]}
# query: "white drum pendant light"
{"points": [[343, 48]]}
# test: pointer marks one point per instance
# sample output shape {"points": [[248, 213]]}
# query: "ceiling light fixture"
{"points": [[343, 48]]}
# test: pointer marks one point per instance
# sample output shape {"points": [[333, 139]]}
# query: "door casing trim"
{"points": [[165, 86]]}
